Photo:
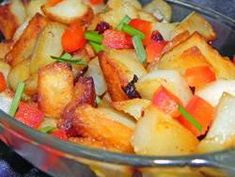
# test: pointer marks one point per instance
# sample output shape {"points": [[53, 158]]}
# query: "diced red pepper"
{"points": [[199, 76], [3, 84], [154, 50], [202, 111], [166, 101], [116, 39], [73, 38], [143, 26], [61, 134], [97, 2], [53, 2], [29, 114]]}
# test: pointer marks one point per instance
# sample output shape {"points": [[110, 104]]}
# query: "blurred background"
{"points": [[12, 165]]}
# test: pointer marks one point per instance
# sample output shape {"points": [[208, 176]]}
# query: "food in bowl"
{"points": [[117, 76]]}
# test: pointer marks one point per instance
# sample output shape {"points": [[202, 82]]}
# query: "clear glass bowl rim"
{"points": [[74, 151]]}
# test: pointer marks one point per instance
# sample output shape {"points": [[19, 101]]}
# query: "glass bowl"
{"points": [[64, 159]]}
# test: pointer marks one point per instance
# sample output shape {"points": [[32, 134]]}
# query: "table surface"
{"points": [[12, 165]]}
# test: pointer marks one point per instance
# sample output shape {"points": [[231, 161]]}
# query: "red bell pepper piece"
{"points": [[116, 39], [3, 84], [97, 2], [61, 134], [166, 101], [199, 76], [202, 111], [53, 2], [154, 50], [29, 114], [73, 38], [143, 26]]}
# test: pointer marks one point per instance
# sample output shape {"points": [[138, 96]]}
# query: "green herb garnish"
{"points": [[94, 36], [97, 47], [16, 100], [47, 129], [68, 58], [189, 118], [139, 48], [132, 31], [125, 20]]}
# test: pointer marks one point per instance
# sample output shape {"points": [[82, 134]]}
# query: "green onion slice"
{"points": [[93, 36], [69, 59], [97, 47], [16, 100], [132, 31], [139, 48], [47, 129], [189, 118], [125, 20]]}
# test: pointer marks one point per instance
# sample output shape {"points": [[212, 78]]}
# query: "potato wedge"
{"points": [[170, 79], [119, 68], [213, 91], [4, 68], [11, 16], [18, 73], [104, 131], [221, 135], [96, 73], [23, 48], [48, 44], [55, 88], [205, 54], [134, 107], [66, 11], [191, 24], [158, 134], [160, 9]]}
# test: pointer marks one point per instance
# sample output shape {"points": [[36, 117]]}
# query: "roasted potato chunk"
{"points": [[11, 16], [119, 68], [195, 51], [5, 47], [159, 134], [55, 88], [104, 131], [18, 73], [23, 48], [66, 11], [4, 68], [34, 7], [48, 44], [191, 24], [31, 84], [134, 107], [221, 135]]}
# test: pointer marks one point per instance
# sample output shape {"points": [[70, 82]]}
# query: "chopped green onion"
{"points": [[97, 47], [125, 20], [139, 48], [47, 129], [189, 118], [93, 36], [132, 31], [69, 59], [16, 100], [98, 100]]}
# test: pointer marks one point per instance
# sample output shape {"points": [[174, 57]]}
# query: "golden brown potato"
{"points": [[48, 44], [4, 68], [11, 16], [195, 23], [101, 128], [55, 88], [34, 7], [134, 107], [18, 73], [31, 84], [119, 68], [23, 48], [196, 51], [5, 47], [159, 134], [66, 11]]}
